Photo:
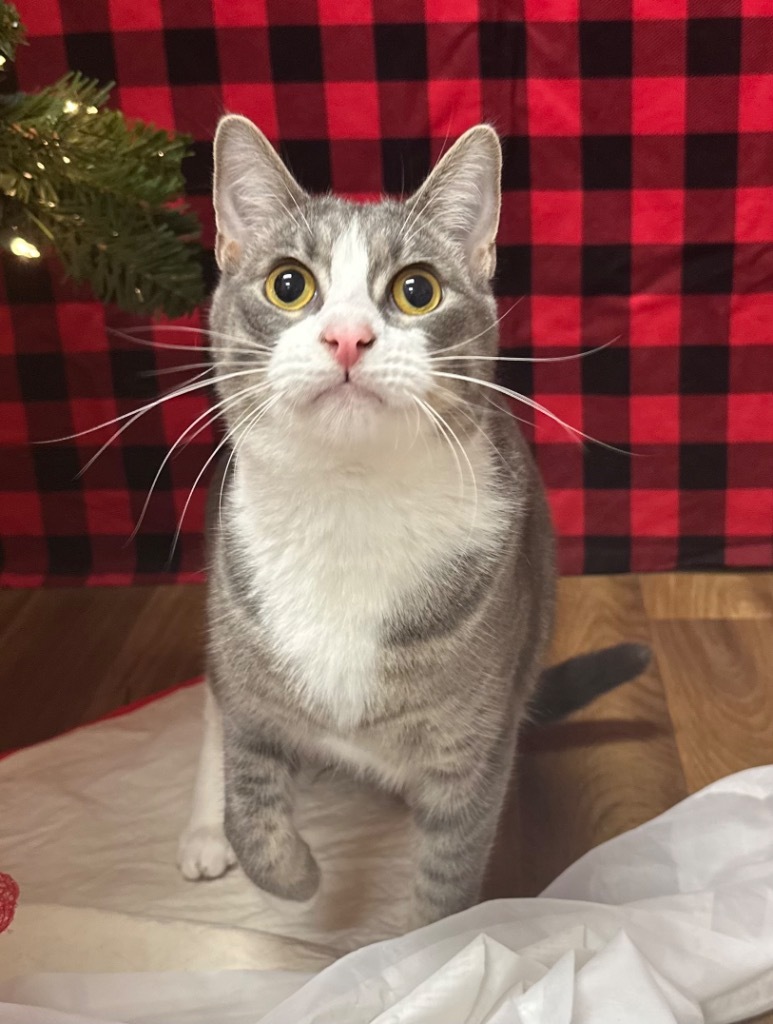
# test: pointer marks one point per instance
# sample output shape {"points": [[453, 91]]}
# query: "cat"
{"points": [[381, 557]]}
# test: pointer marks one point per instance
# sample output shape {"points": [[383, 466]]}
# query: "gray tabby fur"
{"points": [[459, 654]]}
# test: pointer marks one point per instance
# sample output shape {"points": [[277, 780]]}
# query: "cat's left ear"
{"points": [[252, 187], [463, 196]]}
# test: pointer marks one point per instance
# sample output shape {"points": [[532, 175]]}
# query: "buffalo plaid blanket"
{"points": [[638, 206]]}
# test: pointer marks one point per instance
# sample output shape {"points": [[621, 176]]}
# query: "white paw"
{"points": [[204, 852]]}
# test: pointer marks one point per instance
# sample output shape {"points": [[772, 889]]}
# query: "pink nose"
{"points": [[346, 344]]}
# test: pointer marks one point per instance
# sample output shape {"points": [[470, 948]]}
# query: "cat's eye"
{"points": [[290, 286], [416, 291]]}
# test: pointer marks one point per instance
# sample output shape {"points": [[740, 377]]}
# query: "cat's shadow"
{"points": [[571, 735]]}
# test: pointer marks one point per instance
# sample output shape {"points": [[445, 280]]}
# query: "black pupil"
{"points": [[418, 291], [289, 286]]}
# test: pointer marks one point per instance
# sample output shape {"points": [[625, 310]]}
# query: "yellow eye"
{"points": [[290, 286], [416, 291]]}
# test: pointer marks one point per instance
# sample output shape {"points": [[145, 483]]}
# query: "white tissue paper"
{"points": [[671, 922]]}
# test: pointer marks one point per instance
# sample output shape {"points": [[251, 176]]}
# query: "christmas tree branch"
{"points": [[11, 32], [80, 179]]}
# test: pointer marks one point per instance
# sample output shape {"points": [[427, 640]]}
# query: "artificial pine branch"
{"points": [[84, 182], [11, 31]]}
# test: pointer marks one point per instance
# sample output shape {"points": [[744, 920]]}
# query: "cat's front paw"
{"points": [[204, 852], [286, 869]]}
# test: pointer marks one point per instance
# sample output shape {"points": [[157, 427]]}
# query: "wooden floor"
{"points": [[703, 710]]}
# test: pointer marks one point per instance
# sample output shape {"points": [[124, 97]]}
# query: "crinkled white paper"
{"points": [[672, 922]]}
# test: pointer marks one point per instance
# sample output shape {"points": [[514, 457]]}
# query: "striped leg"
{"points": [[258, 817], [457, 814]]}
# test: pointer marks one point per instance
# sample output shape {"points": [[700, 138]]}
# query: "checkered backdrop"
{"points": [[638, 205]]}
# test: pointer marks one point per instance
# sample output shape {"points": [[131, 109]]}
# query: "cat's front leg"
{"points": [[456, 811], [259, 774], [203, 850]]}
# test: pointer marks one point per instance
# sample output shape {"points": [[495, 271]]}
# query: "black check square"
{"points": [[296, 53], [605, 469], [56, 467], [703, 467], [141, 463], [191, 55], [68, 555], [711, 160], [513, 273], [515, 376], [606, 270], [607, 372], [606, 49], [154, 553], [708, 269], [502, 46], [41, 377], [607, 554], [309, 161], [713, 46], [197, 168], [406, 163], [607, 161], [92, 54], [401, 52], [133, 373], [26, 280], [704, 369], [516, 169], [699, 552]]}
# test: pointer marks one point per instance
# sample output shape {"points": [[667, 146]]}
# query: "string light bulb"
{"points": [[2, 60], [21, 247], [71, 107], [91, 110]]}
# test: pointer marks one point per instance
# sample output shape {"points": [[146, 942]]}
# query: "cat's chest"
{"points": [[332, 564]]}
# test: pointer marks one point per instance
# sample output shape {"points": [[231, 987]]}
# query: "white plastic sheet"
{"points": [[672, 922]]}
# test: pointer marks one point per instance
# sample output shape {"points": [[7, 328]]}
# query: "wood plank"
{"points": [[55, 652], [708, 595], [164, 646], [609, 768], [718, 677]]}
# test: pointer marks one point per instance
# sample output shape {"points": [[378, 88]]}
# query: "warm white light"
{"points": [[91, 110], [2, 60], [71, 107], [21, 247], [40, 165], [66, 160]]}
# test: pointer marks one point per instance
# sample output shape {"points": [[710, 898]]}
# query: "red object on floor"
{"points": [[9, 897]]}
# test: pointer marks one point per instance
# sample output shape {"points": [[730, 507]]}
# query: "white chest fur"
{"points": [[333, 553]]}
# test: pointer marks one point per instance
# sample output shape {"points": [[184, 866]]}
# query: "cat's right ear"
{"points": [[251, 185]]}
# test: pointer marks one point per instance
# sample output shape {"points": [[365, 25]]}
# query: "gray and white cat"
{"points": [[381, 556]]}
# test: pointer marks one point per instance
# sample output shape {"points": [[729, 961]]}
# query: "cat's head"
{"points": [[345, 312]]}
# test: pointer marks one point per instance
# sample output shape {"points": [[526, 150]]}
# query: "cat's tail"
{"points": [[572, 684]]}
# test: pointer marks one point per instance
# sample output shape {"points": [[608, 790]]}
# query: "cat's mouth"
{"points": [[348, 391]]}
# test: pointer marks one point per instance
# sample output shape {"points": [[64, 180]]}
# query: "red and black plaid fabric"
{"points": [[638, 205]]}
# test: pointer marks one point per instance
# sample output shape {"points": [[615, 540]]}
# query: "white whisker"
{"points": [[526, 359], [573, 432], [440, 425], [201, 473], [210, 415], [135, 415], [467, 341], [128, 335]]}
